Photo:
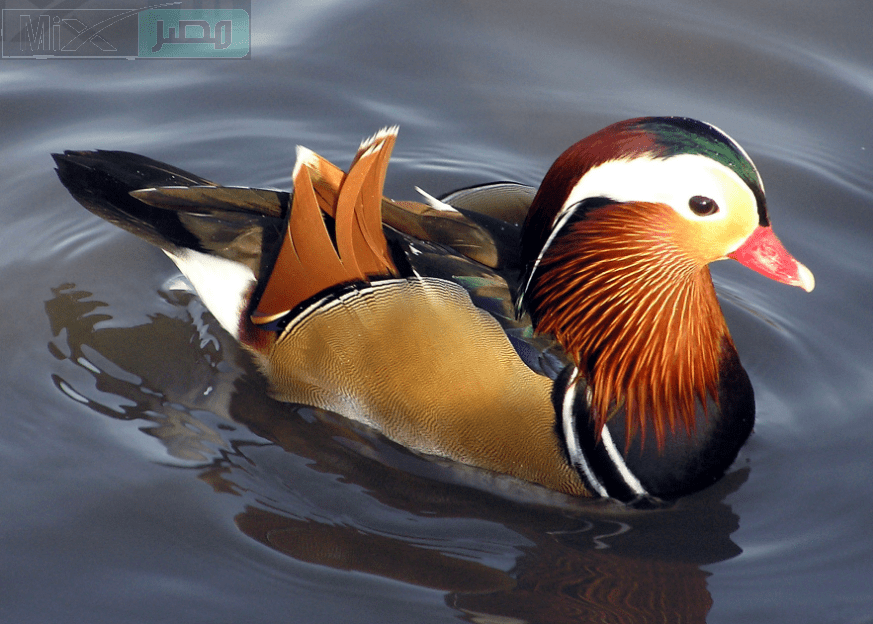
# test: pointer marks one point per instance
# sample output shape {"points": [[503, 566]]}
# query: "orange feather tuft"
{"points": [[309, 260], [638, 316]]}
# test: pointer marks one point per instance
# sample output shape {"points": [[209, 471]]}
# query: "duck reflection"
{"points": [[550, 558]]}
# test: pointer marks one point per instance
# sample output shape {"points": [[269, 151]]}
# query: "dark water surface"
{"points": [[146, 477]]}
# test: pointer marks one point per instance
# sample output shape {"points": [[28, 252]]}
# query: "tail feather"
{"points": [[172, 208], [101, 180]]}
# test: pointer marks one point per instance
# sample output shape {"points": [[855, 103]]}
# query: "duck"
{"points": [[568, 335]]}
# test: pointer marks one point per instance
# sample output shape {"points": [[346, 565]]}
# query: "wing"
{"points": [[482, 223], [331, 232]]}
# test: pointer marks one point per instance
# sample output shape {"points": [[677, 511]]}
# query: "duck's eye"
{"points": [[702, 206]]}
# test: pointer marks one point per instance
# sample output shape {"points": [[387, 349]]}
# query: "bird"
{"points": [[567, 335]]}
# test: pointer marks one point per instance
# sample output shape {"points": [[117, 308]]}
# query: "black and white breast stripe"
{"points": [[600, 465]]}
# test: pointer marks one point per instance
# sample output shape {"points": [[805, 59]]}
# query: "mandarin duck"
{"points": [[568, 336]]}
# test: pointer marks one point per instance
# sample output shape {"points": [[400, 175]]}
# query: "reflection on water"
{"points": [[563, 562], [130, 372]]}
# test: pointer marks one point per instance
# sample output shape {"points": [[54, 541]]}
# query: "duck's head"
{"points": [[616, 245]]}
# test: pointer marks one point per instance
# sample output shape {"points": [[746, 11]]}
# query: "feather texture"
{"points": [[637, 315]]}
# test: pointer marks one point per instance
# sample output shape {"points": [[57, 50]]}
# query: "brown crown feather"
{"points": [[621, 140], [638, 316]]}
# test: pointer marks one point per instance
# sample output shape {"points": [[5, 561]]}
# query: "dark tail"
{"points": [[172, 208]]}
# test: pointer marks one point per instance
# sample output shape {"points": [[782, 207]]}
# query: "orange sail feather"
{"points": [[310, 261]]}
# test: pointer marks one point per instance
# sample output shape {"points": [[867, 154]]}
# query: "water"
{"points": [[146, 476]]}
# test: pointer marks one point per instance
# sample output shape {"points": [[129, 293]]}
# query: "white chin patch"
{"points": [[223, 285]]}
